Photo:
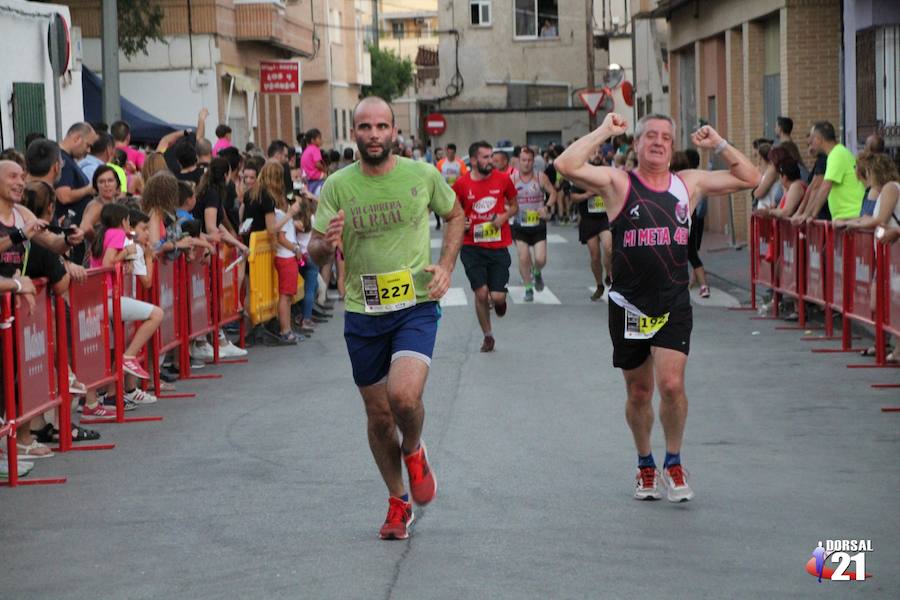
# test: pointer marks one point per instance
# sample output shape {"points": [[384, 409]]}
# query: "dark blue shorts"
{"points": [[373, 342]]}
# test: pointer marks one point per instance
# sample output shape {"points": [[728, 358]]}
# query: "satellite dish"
{"points": [[613, 76]]}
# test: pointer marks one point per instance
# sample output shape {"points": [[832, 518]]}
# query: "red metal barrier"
{"points": [[229, 308], [790, 267], [32, 384], [95, 360], [764, 250], [887, 307], [817, 284], [167, 281], [90, 359], [199, 310], [842, 275]]}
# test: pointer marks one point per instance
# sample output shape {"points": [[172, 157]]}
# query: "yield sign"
{"points": [[592, 99]]}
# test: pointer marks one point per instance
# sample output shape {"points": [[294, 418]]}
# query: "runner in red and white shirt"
{"points": [[489, 200]]}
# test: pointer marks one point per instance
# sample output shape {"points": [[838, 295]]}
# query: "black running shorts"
{"points": [[630, 354], [590, 226], [486, 267], [530, 235]]}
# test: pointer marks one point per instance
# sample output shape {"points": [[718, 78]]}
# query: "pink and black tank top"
{"points": [[650, 247]]}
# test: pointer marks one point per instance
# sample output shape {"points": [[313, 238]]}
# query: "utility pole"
{"points": [[589, 27], [109, 43], [376, 26]]}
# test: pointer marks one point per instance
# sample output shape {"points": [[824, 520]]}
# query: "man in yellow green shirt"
{"points": [[841, 188]]}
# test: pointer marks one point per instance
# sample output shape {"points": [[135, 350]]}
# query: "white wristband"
{"points": [[720, 147], [18, 286]]}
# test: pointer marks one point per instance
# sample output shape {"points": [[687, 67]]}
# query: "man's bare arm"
{"points": [[573, 163], [741, 174], [454, 230]]}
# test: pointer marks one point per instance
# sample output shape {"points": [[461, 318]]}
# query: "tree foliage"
{"points": [[391, 75], [140, 22]]}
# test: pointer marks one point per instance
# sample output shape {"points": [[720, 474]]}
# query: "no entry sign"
{"points": [[435, 124]]}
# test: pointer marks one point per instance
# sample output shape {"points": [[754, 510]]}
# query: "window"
{"points": [[397, 29], [480, 12], [521, 95], [334, 18], [536, 18], [344, 123], [334, 125]]}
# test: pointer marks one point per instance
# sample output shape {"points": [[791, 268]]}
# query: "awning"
{"points": [[145, 128], [242, 81]]}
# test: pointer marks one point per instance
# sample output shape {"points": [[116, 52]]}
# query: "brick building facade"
{"points": [[738, 65]]}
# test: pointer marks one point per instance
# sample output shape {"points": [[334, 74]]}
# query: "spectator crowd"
{"points": [[94, 199]]}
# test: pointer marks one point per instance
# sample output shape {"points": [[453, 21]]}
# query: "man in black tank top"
{"points": [[650, 317]]}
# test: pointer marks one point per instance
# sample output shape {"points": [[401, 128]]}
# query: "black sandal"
{"points": [[80, 434], [49, 434]]}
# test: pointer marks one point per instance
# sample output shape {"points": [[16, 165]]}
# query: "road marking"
{"points": [[455, 296], [555, 238], [517, 295], [717, 298]]}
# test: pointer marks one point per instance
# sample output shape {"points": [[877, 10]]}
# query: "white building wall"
{"points": [[164, 83], [23, 27]]}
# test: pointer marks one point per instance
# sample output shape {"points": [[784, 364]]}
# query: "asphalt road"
{"points": [[263, 485]]}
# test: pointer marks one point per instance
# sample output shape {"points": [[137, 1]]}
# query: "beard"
{"points": [[373, 159], [484, 170]]}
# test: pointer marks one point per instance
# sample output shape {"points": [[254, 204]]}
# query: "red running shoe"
{"points": [[399, 520], [422, 484]]}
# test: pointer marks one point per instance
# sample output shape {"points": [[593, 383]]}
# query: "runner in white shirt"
{"points": [[529, 226]]}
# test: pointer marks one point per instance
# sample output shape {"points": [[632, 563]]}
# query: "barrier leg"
{"points": [[13, 463], [119, 334]]}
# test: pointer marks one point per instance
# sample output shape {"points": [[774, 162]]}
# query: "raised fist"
{"points": [[614, 124]]}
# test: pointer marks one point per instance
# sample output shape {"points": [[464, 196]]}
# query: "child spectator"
{"points": [[142, 272], [303, 222], [108, 249], [223, 135], [287, 258]]}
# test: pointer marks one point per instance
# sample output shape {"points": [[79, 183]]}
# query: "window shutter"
{"points": [[29, 111]]}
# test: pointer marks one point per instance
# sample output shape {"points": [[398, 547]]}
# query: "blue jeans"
{"points": [[310, 274]]}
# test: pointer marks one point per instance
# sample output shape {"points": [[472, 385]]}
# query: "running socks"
{"points": [[646, 461], [672, 460]]}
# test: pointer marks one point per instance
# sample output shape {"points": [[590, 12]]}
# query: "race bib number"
{"points": [[486, 233], [596, 205], [641, 327], [532, 218], [388, 292]]}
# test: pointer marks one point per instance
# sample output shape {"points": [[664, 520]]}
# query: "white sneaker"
{"points": [[228, 350], [674, 479], [646, 484], [139, 396], [202, 351], [23, 467]]}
